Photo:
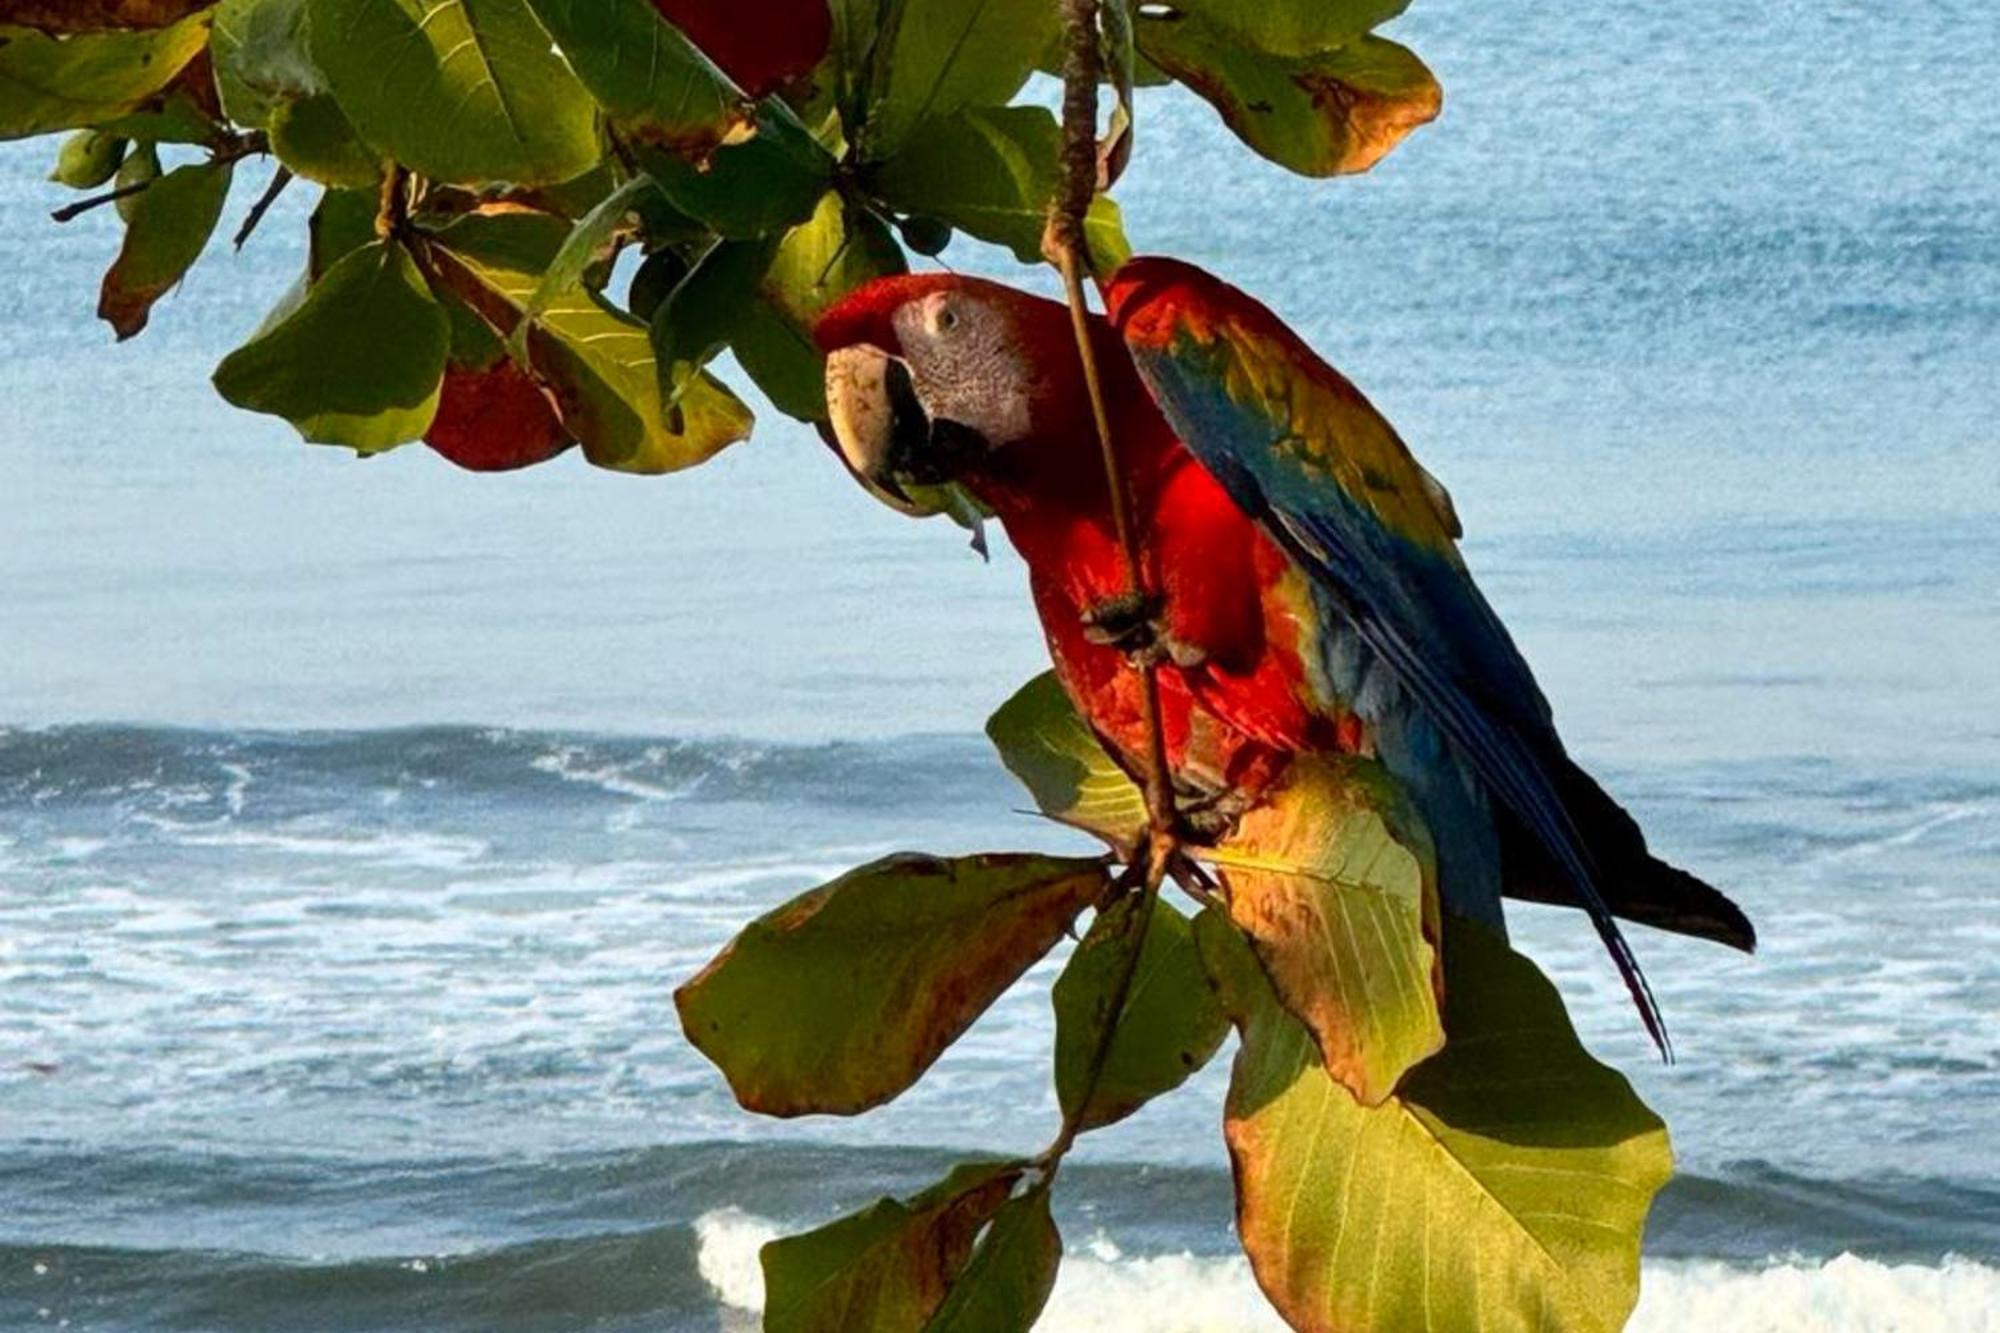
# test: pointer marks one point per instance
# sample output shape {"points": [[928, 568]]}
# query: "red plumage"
{"points": [[1229, 720]]}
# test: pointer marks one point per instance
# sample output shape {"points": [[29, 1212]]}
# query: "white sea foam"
{"points": [[1102, 1288], [572, 763], [428, 850]]}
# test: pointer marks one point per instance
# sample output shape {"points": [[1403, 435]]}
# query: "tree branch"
{"points": [[1065, 243]]}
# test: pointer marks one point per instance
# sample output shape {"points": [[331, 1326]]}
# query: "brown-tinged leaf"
{"points": [[1011, 1274], [888, 1268], [1291, 27], [758, 187], [1332, 881], [495, 418], [842, 998], [170, 226], [1329, 113], [595, 360], [49, 83], [1505, 1186], [97, 15]]}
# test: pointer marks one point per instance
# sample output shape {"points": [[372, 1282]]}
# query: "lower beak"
{"points": [[878, 424]]}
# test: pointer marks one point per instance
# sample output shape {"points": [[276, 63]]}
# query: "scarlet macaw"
{"points": [[1310, 593]]}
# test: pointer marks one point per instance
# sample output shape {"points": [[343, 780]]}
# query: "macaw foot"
{"points": [[1134, 624]]}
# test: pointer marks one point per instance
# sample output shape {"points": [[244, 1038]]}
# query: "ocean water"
{"points": [[357, 820]]}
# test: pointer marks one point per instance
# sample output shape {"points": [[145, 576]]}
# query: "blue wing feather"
{"points": [[1404, 594]]}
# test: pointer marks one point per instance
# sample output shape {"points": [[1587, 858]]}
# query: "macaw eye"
{"points": [[947, 319]]}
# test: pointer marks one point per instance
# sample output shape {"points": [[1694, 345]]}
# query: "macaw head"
{"points": [[934, 377]]}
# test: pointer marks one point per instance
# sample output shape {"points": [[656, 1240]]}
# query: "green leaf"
{"points": [[141, 164], [992, 173], [176, 116], [1510, 1177], [358, 362], [457, 90], [1331, 113], [1170, 1024], [1045, 743], [657, 88], [842, 998], [937, 57], [598, 361], [888, 1267], [259, 50], [170, 226], [848, 70], [342, 222], [1332, 880], [700, 315], [657, 276], [586, 244], [1292, 27], [313, 138], [757, 188], [788, 369], [48, 83], [1008, 1280], [819, 261], [87, 159]]}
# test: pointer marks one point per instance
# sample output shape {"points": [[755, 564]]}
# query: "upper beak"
{"points": [[878, 424]]}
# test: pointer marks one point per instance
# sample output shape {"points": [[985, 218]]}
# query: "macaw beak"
{"points": [[878, 425], [890, 443]]}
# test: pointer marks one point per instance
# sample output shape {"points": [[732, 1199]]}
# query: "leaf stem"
{"points": [[392, 219]]}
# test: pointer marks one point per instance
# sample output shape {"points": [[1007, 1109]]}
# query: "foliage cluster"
{"points": [[1414, 1145]]}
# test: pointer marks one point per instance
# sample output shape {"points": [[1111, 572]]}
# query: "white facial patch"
{"points": [[965, 365]]}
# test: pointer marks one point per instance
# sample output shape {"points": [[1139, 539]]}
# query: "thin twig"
{"points": [[1050, 1159], [71, 212], [279, 180]]}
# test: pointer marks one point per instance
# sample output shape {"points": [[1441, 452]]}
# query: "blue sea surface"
{"points": [[358, 819]]}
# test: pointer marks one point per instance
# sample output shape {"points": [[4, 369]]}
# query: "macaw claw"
{"points": [[1134, 624], [1206, 816]]}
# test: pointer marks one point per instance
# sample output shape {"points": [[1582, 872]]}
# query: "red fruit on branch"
{"points": [[760, 44], [495, 420]]}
